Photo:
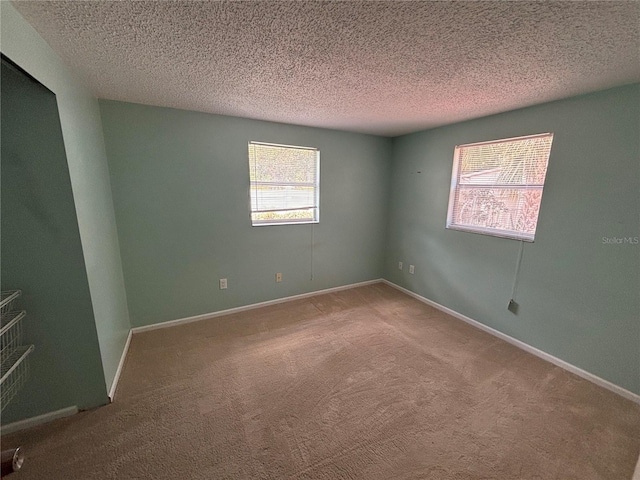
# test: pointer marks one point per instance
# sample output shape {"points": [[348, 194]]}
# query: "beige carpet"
{"points": [[366, 383]]}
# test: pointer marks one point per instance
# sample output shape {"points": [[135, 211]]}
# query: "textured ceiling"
{"points": [[378, 67]]}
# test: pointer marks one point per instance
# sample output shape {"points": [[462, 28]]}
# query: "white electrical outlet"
{"points": [[223, 284], [412, 269], [399, 265], [278, 277]]}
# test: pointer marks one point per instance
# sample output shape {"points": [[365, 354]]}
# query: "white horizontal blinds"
{"points": [[284, 183], [498, 185]]}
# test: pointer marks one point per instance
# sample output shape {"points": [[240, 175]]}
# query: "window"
{"points": [[496, 187], [284, 184]]}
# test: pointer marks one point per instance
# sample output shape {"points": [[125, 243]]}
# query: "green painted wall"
{"points": [[180, 184], [42, 255], [88, 169], [579, 296]]}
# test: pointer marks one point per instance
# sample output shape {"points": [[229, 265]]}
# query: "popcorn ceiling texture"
{"points": [[378, 67]]}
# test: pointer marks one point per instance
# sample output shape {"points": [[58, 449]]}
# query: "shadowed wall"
{"points": [[42, 255]]}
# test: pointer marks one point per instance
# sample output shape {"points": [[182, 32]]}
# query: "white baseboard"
{"points": [[526, 347], [39, 420], [636, 474], [205, 316], [123, 357]]}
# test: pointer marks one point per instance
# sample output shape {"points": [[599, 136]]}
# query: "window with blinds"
{"points": [[284, 184], [496, 187]]}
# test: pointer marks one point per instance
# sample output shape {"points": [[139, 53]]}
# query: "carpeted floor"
{"points": [[366, 383]]}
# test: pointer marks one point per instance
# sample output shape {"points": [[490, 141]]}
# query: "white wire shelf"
{"points": [[14, 371], [10, 333], [14, 365], [7, 298]]}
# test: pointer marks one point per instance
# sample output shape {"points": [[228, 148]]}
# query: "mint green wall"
{"points": [[579, 298], [180, 184], [87, 163]]}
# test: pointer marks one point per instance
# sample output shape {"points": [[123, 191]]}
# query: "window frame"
{"points": [[495, 232], [316, 187]]}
